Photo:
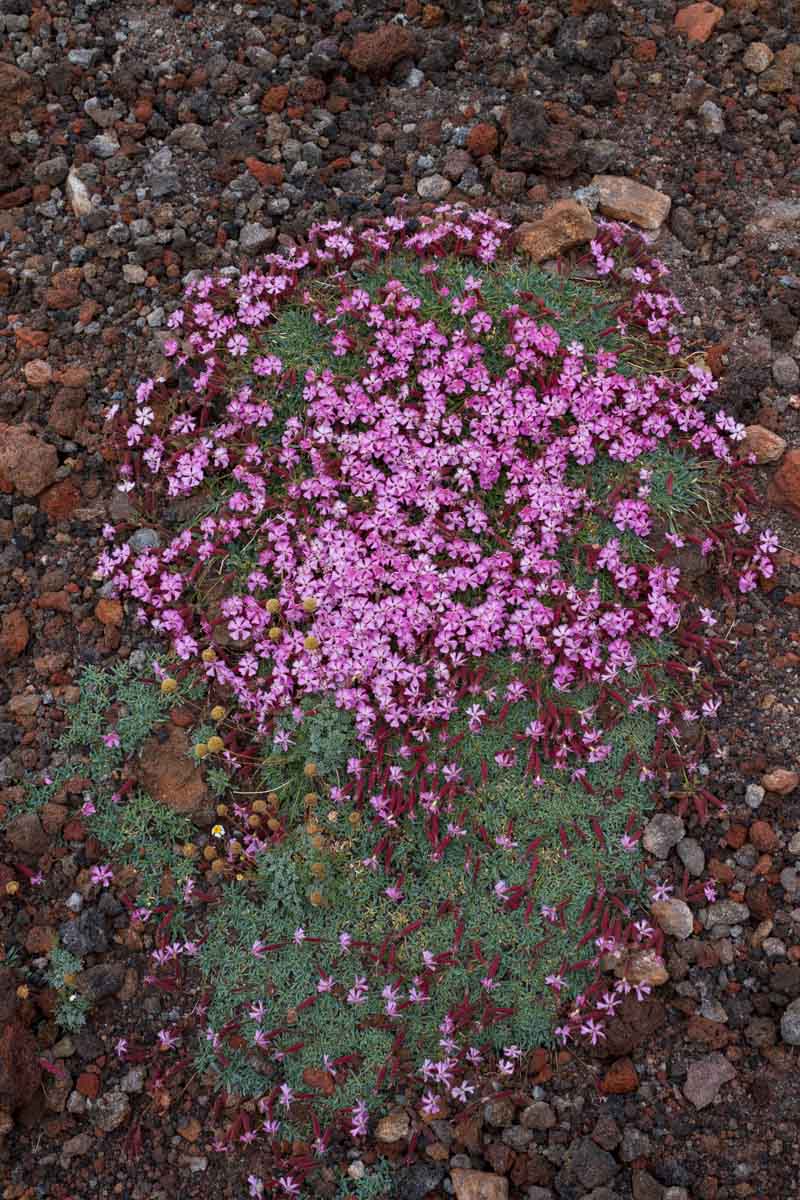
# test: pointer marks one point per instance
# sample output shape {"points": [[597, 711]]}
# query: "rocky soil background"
{"points": [[143, 141]]}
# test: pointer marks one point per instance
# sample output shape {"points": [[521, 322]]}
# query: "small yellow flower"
{"points": [[23, 991], [217, 712], [310, 605], [189, 849], [222, 810], [168, 686], [218, 864], [273, 824], [275, 634], [310, 799], [201, 749], [260, 806], [217, 831], [254, 820], [311, 643], [209, 655], [215, 744], [273, 606], [310, 770], [12, 887]]}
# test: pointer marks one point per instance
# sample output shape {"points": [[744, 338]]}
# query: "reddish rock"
{"points": [[320, 1080], [26, 835], [620, 1078], [40, 939], [626, 200], [30, 342], [562, 226], [16, 88], [88, 1085], [377, 52], [53, 817], [780, 781], [109, 612], [75, 376], [478, 1185], [28, 463], [15, 199], [763, 836], [698, 21], [60, 500], [274, 99], [38, 373], [267, 174], [168, 773], [644, 50], [763, 443], [20, 1073], [14, 634], [482, 139]]}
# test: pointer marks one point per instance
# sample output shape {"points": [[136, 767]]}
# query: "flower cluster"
{"points": [[425, 500]]}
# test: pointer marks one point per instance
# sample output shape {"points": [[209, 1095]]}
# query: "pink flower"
{"points": [[101, 876]]}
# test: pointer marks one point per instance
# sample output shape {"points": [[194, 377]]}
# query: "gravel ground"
{"points": [[141, 141]]}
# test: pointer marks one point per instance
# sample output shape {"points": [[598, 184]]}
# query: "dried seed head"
{"points": [[222, 810], [273, 824], [272, 799], [316, 898], [310, 799], [310, 770], [275, 634], [217, 712], [12, 887], [311, 643], [310, 605], [209, 655], [189, 849], [273, 606], [168, 686], [201, 749], [260, 806], [254, 820], [23, 991], [215, 744], [209, 853], [218, 865], [318, 870]]}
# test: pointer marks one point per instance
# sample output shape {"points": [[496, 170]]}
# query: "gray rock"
{"points": [[645, 1187], [53, 171], [727, 912], [111, 1110], [635, 1144], [794, 846], [419, 1179], [86, 934], [705, 1077], [691, 854], [539, 1193], [785, 372], [754, 795], [600, 154], [255, 237], [790, 1024], [586, 1164], [661, 833], [143, 539], [499, 1113], [102, 117], [433, 187], [97, 983], [104, 145], [188, 137], [757, 57], [711, 118], [538, 1115], [517, 1138], [133, 1081], [164, 183], [83, 58]]}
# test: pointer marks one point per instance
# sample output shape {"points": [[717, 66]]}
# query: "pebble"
{"points": [[754, 795], [255, 237], [661, 833], [726, 912], [433, 187], [674, 917], [790, 1024], [705, 1078], [757, 57], [111, 1110], [786, 372], [691, 854]]}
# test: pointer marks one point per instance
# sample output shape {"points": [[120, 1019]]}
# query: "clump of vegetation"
{"points": [[429, 602]]}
